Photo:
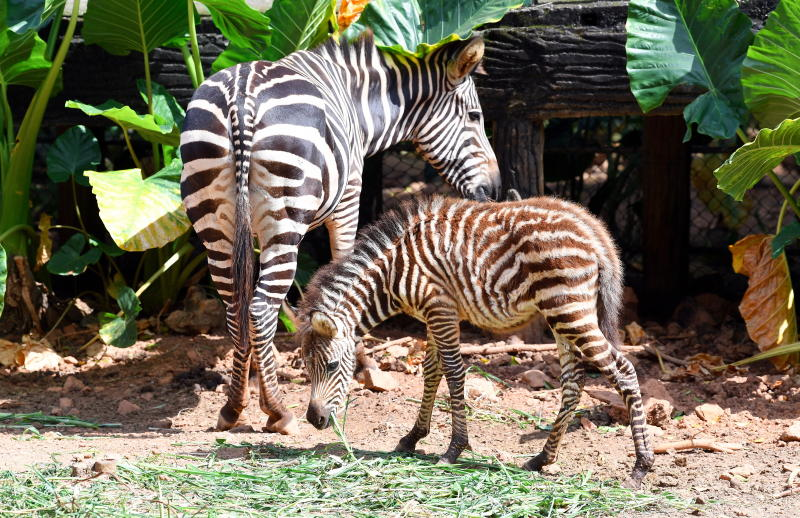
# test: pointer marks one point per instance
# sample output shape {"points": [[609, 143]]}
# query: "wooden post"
{"points": [[665, 219], [519, 146]]}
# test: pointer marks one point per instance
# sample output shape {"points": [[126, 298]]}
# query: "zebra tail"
{"points": [[242, 268], [609, 298]]}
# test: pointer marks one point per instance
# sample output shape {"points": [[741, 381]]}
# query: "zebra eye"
{"points": [[474, 116], [332, 366]]}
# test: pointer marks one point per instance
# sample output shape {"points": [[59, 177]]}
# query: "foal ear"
{"points": [[324, 325], [465, 60]]}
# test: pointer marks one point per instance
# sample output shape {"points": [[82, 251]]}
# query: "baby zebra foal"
{"points": [[493, 264]]}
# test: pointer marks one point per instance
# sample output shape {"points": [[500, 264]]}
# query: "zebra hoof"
{"points": [[405, 446], [444, 459], [227, 419], [286, 425], [536, 463], [632, 483]]}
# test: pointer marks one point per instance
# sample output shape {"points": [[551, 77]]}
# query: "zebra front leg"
{"points": [[432, 369], [572, 380], [443, 328]]}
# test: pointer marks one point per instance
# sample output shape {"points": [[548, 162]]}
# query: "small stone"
{"points": [[535, 378], [71, 360], [746, 470], [197, 388], [222, 388], [551, 469], [379, 380], [105, 361], [480, 388], [95, 350], [635, 333], [587, 425], [73, 384], [680, 462], [166, 379], [82, 469], [55, 411], [162, 423], [792, 433], [125, 407], [54, 389], [107, 465], [709, 412], [658, 411], [242, 428], [65, 403], [147, 396]]}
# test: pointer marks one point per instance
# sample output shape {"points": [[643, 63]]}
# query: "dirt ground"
{"points": [[177, 385]]}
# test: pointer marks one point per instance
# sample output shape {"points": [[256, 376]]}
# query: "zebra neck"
{"points": [[388, 92]]}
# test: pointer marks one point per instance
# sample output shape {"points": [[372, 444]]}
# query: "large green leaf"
{"points": [[70, 258], [692, 42], [299, 25], [145, 125], [72, 153], [30, 15], [418, 27], [769, 72], [116, 330], [3, 276], [22, 60], [141, 213], [785, 237], [166, 109], [748, 164], [247, 31], [120, 26]]}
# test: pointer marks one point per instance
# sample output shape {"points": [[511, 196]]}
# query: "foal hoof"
{"points": [[445, 460], [405, 447], [286, 425], [536, 463], [227, 420], [632, 483]]}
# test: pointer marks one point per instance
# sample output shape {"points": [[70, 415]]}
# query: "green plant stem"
{"points": [[198, 65], [53, 35], [741, 135], [187, 59], [16, 228], [785, 193], [77, 208], [148, 83], [17, 182], [785, 204], [135, 158], [8, 133]]}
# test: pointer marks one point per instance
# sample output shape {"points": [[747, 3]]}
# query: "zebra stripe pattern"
{"points": [[494, 265], [274, 149]]}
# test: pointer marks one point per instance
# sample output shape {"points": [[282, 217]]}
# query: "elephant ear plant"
{"points": [[710, 45], [26, 60]]}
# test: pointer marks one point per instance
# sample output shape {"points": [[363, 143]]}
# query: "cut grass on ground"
{"points": [[334, 481]]}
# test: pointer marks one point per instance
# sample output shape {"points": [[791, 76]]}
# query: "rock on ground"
{"points": [[378, 380], [125, 407], [792, 433], [480, 388], [709, 412], [535, 378]]}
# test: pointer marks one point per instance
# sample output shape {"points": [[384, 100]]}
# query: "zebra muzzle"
{"points": [[318, 415]]}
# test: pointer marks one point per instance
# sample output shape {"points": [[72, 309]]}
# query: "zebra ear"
{"points": [[324, 325], [465, 60]]}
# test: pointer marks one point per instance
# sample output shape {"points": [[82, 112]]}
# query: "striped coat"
{"points": [[494, 265], [272, 150]]}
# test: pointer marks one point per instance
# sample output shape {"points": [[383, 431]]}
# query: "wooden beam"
{"points": [[665, 219]]}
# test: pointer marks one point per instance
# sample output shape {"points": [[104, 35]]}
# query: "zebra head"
{"points": [[450, 134], [329, 356]]}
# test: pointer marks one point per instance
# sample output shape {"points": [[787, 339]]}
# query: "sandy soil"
{"points": [[178, 383]]}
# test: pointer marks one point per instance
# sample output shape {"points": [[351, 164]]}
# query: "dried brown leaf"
{"points": [[768, 304], [349, 12], [45, 248]]}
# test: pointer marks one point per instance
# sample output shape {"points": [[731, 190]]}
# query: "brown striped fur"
{"points": [[494, 265]]}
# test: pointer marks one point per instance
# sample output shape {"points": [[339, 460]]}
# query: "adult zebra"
{"points": [[274, 149]]}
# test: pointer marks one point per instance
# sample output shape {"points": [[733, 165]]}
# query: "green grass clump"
{"points": [[278, 481]]}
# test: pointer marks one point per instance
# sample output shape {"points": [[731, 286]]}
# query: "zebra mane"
{"points": [[373, 241]]}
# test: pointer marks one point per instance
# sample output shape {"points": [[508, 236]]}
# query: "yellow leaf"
{"points": [[768, 304], [45, 248], [349, 12]]}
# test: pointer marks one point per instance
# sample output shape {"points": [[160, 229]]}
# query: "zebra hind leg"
{"points": [[432, 368], [238, 393], [572, 380]]}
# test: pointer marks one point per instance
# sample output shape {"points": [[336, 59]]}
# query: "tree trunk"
{"points": [[666, 206], [519, 146]]}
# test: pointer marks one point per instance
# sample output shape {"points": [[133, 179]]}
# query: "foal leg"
{"points": [[432, 368], [572, 380]]}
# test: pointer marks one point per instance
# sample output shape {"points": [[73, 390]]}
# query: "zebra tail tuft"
{"points": [[609, 298]]}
